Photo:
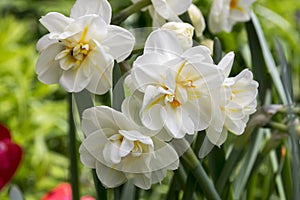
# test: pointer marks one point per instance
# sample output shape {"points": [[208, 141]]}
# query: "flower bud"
{"points": [[183, 31], [197, 19]]}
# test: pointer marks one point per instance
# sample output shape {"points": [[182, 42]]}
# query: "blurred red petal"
{"points": [[4, 133], [61, 192], [10, 158]]}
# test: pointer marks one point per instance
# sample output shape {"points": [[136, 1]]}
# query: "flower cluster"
{"points": [[176, 89]]}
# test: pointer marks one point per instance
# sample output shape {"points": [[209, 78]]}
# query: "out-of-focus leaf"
{"points": [[15, 193]]}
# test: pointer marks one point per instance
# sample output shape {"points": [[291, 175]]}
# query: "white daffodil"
{"points": [[177, 85], [197, 19], [80, 50], [183, 31], [225, 13], [162, 10], [120, 150], [235, 102]]}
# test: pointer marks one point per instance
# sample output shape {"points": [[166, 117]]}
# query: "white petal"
{"points": [[98, 7], [74, 80], [197, 19], [101, 71], [119, 41], [86, 158], [142, 181], [148, 75], [44, 42], [206, 148], [216, 137], [179, 6], [157, 20], [164, 42], [198, 54], [126, 147], [161, 7], [109, 177], [235, 126], [226, 63], [92, 120], [47, 68], [55, 22], [111, 152]]}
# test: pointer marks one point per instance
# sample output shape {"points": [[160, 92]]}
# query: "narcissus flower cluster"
{"points": [[176, 89]]}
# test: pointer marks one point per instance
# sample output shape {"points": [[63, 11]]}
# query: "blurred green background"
{"points": [[36, 113]]}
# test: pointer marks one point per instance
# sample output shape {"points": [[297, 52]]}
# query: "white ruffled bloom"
{"points": [[183, 31], [120, 150], [79, 51], [235, 102], [177, 85], [225, 13]]}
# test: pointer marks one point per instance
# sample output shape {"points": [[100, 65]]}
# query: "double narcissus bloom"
{"points": [[176, 84], [119, 149], [79, 51], [225, 13], [235, 102]]}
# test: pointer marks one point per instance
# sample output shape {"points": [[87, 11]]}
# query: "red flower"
{"points": [[10, 156], [63, 192]]}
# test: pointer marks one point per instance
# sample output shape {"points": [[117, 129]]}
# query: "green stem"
{"points": [[190, 160], [73, 153], [84, 100], [123, 14], [101, 193]]}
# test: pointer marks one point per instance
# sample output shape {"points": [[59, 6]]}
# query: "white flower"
{"points": [[119, 149], [162, 10], [80, 50], [177, 85], [235, 102], [197, 19], [225, 13], [183, 31]]}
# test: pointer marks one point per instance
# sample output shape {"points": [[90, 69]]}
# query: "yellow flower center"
{"points": [[234, 5]]}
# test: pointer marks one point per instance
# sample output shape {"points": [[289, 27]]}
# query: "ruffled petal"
{"points": [[47, 68], [55, 22], [216, 137], [119, 41], [164, 42], [101, 71], [110, 177], [98, 7]]}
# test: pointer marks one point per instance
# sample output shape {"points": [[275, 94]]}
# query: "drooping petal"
{"points": [[47, 68], [235, 126], [110, 177], [216, 137], [119, 41], [55, 22], [98, 7], [142, 181]]}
